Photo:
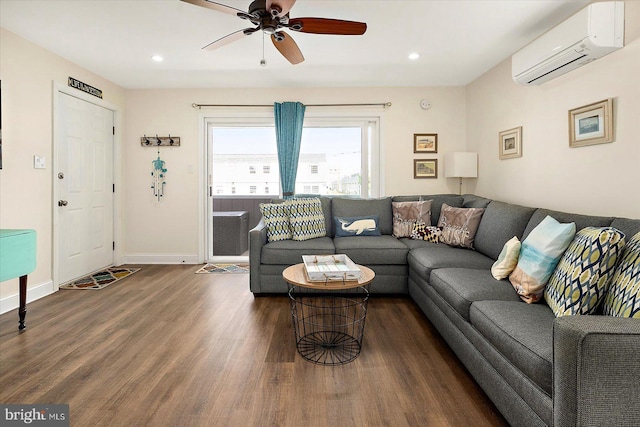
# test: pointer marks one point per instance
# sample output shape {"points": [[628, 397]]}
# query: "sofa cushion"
{"points": [[623, 297], [523, 333], [629, 227], [437, 200], [539, 255], [460, 287], [499, 223], [507, 260], [406, 214], [581, 279], [356, 226], [306, 218], [289, 252], [459, 225], [276, 219], [343, 207], [430, 256], [367, 250], [473, 201], [581, 221]]}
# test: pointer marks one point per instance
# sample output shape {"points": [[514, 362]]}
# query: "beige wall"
{"points": [[27, 73], [169, 230], [599, 179]]}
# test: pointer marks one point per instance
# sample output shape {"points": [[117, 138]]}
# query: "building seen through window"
{"points": [[330, 161]]}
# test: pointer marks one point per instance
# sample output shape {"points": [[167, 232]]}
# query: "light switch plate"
{"points": [[39, 162]]}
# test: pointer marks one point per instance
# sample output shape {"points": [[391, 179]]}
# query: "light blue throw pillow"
{"points": [[357, 226], [539, 255]]}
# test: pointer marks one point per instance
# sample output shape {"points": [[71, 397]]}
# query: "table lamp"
{"points": [[461, 165]]}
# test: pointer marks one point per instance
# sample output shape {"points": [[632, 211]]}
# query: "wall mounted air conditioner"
{"points": [[592, 33]]}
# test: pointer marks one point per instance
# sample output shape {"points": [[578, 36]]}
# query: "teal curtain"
{"points": [[289, 119]]}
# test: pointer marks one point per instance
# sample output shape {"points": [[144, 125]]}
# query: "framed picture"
{"points": [[425, 142], [510, 143], [425, 168], [591, 124]]}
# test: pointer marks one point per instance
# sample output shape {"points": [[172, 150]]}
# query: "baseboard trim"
{"points": [[160, 259], [12, 302]]}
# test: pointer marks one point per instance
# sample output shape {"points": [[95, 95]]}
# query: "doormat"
{"points": [[224, 268], [101, 279]]}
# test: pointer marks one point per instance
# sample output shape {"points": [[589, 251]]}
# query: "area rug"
{"points": [[101, 279], [224, 268]]}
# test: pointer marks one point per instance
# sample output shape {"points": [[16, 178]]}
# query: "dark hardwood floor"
{"points": [[167, 347]]}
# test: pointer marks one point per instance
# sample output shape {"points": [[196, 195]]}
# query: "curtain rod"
{"points": [[382, 104]]}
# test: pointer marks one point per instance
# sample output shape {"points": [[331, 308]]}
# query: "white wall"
{"points": [[169, 231], [599, 179], [27, 73]]}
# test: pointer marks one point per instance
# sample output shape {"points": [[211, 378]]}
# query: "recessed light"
{"points": [[157, 58], [413, 56]]}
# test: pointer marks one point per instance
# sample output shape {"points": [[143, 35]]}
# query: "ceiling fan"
{"points": [[272, 17]]}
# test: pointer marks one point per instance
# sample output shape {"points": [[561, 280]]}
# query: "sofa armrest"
{"points": [[257, 239], [596, 369]]}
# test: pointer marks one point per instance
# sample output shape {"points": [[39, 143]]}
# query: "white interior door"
{"points": [[84, 179]]}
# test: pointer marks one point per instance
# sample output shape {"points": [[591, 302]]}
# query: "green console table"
{"points": [[18, 259]]}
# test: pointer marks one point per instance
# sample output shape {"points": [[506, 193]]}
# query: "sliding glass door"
{"points": [[338, 156]]}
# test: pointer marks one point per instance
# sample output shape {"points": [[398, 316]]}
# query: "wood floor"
{"points": [[167, 347]]}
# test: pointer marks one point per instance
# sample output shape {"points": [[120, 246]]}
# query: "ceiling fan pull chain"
{"points": [[263, 62]]}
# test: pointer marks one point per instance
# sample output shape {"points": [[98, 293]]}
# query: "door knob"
{"points": [[62, 203]]}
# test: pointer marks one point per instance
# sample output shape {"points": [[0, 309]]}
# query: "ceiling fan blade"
{"points": [[327, 26], [283, 6], [237, 35], [287, 47], [215, 6]]}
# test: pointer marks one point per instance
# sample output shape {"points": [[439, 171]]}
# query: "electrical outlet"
{"points": [[39, 162]]}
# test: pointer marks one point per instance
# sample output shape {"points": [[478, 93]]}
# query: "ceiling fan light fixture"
{"points": [[414, 56], [271, 17], [157, 58]]}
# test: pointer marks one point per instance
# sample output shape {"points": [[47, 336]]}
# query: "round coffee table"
{"points": [[328, 317]]}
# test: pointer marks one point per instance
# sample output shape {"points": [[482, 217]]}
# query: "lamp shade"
{"points": [[461, 165]]}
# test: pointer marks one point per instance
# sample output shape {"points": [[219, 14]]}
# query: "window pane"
{"points": [[243, 158], [330, 161], [245, 161]]}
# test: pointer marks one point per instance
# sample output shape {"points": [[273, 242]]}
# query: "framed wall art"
{"points": [[591, 124], [425, 142], [425, 168], [510, 143]]}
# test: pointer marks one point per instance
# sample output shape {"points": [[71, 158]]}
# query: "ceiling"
{"points": [[458, 40]]}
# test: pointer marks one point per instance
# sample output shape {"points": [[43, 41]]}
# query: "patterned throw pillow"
{"points": [[306, 218], [507, 260], [581, 279], [276, 218], [539, 255], [357, 226], [623, 297], [459, 225], [422, 231], [405, 215]]}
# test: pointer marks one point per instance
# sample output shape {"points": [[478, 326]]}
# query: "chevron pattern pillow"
{"points": [[276, 219], [581, 279], [623, 297], [306, 218]]}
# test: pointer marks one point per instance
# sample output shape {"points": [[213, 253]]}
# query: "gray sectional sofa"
{"points": [[538, 370]]}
